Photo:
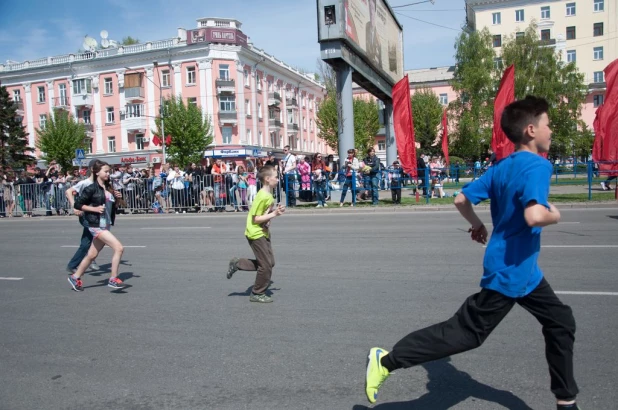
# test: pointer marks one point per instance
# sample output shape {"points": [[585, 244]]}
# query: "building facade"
{"points": [[256, 103], [583, 31]]}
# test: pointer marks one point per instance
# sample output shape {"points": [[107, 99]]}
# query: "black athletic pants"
{"points": [[478, 317]]}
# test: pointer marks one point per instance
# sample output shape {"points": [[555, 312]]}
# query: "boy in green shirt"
{"points": [[258, 221]]}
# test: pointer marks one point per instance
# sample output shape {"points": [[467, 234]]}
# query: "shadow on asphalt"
{"points": [[123, 277], [107, 268], [447, 387], [613, 216], [269, 291]]}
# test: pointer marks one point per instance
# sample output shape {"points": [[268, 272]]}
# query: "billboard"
{"points": [[366, 30], [370, 26], [216, 35]]}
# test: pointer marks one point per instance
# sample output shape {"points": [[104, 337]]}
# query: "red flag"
{"points": [[445, 137], [156, 140], [168, 140], [606, 124], [500, 144], [404, 128]]}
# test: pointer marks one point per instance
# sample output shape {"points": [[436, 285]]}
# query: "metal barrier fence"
{"points": [[219, 193]]}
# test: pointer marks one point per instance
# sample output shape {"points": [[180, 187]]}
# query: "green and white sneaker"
{"points": [[232, 268], [261, 298], [376, 373]]}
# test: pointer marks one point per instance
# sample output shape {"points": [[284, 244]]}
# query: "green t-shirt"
{"points": [[262, 202]]}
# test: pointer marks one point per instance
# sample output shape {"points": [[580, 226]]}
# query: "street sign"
{"points": [[80, 162], [79, 154], [256, 152]]}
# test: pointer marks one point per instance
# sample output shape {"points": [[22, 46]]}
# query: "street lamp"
{"points": [[161, 111]]}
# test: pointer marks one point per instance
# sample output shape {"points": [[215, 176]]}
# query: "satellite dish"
{"points": [[89, 44], [104, 34], [105, 43]]}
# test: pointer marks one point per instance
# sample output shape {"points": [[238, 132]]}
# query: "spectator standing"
{"points": [[252, 183], [219, 170], [373, 162], [176, 179], [320, 176], [242, 177], [395, 176], [350, 167], [288, 164], [304, 173]]}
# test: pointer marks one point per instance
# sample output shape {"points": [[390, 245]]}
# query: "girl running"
{"points": [[98, 202]]}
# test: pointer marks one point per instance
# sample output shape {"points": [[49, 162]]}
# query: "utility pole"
{"points": [[161, 112]]}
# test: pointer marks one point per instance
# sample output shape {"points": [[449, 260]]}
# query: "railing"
{"points": [[291, 102], [274, 98], [226, 116], [292, 126], [274, 123], [134, 92], [61, 102]]}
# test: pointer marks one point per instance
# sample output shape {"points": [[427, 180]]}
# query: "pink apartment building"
{"points": [[256, 102], [438, 78]]}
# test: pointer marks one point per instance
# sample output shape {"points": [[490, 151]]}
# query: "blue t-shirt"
{"points": [[510, 264]]}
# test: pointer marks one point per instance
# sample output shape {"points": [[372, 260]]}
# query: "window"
{"points": [[86, 116], [496, 18], [247, 78], [381, 145], [165, 78], [270, 86], [224, 72], [259, 110], [498, 40], [519, 36], [111, 144], [41, 95], [443, 99], [570, 9], [598, 53], [546, 34], [64, 99], [16, 95], [519, 15], [139, 141], [498, 63], [82, 86], [599, 77], [249, 141], [192, 101], [260, 136], [571, 56], [571, 33], [42, 121], [248, 108], [305, 123], [109, 119], [599, 5], [598, 29], [227, 103], [258, 83], [311, 124], [226, 132], [597, 100], [290, 116], [545, 13], [109, 87], [133, 111], [88, 145], [191, 75]]}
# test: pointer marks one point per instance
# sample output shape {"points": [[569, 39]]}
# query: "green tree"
{"points": [[191, 133], [13, 136], [540, 71], [366, 122], [128, 41], [60, 138], [474, 81], [427, 112]]}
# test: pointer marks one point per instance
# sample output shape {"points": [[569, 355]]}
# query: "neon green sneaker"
{"points": [[376, 373]]}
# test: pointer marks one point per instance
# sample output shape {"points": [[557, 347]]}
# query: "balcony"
{"points": [[292, 127], [135, 124], [83, 100], [228, 117], [134, 93], [274, 124], [291, 102], [274, 99], [597, 86], [61, 103], [20, 107], [225, 86], [548, 42]]}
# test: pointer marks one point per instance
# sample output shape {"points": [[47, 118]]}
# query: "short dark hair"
{"points": [[266, 171], [519, 114]]}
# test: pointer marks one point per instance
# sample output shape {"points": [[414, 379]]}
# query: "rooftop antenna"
{"points": [[104, 40], [89, 44]]}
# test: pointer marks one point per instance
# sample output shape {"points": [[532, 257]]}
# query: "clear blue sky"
{"points": [[31, 29]]}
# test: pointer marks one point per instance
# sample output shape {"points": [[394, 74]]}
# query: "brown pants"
{"points": [[263, 263]]}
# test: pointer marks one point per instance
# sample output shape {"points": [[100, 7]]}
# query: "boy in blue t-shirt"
{"points": [[518, 187]]}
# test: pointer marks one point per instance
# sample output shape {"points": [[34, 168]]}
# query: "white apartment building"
{"points": [[584, 31]]}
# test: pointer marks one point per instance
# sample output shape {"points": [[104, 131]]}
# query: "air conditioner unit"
{"points": [[146, 139], [156, 160], [121, 112]]}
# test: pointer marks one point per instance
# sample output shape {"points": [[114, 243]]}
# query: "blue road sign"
{"points": [[79, 154]]}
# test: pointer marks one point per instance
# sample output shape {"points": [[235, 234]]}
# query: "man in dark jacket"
{"points": [[422, 173], [373, 162]]}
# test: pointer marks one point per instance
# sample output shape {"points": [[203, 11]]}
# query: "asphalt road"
{"points": [[182, 336]]}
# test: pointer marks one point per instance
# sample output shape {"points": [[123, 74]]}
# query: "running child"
{"points": [[98, 203], [518, 187], [262, 211]]}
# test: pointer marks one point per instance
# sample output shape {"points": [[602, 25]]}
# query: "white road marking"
{"points": [[2, 278], [573, 292], [175, 227], [124, 246]]}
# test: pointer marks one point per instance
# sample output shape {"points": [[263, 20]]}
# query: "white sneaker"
{"points": [[94, 266], [325, 205], [184, 212], [604, 187]]}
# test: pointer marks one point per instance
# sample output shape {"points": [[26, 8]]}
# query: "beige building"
{"points": [[583, 31]]}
